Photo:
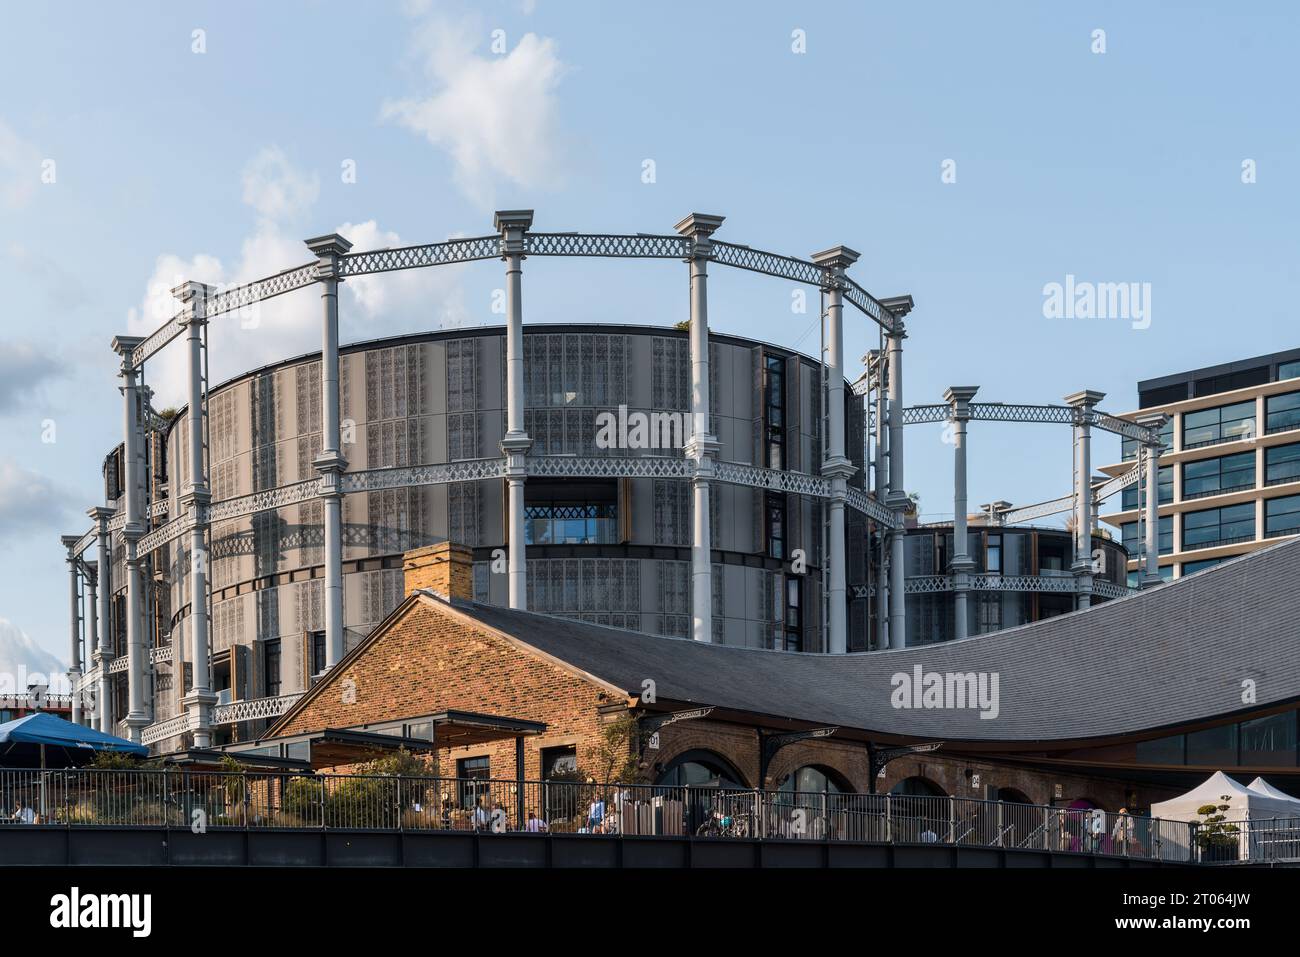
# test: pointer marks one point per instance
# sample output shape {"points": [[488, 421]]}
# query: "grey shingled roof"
{"points": [[1173, 655]]}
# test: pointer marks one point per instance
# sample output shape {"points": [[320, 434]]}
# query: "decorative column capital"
{"points": [[194, 298], [833, 262], [328, 249], [1153, 422], [124, 346], [512, 224], [70, 542], [698, 227], [100, 515], [958, 397], [1085, 399]]}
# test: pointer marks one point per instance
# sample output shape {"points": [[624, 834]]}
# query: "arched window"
{"points": [[917, 787], [700, 768], [1013, 796], [814, 779]]}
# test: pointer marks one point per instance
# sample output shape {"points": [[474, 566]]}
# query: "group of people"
{"points": [[23, 814]]}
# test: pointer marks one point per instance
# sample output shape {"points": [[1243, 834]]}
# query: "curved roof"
{"points": [[1174, 655]]}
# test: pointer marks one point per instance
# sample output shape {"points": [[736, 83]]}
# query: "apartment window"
{"points": [[1191, 568], [317, 652], [1288, 370], [1226, 423], [776, 525], [1213, 747], [1219, 526], [1135, 495], [1282, 464], [473, 774], [271, 667], [993, 558], [1269, 741], [1134, 578], [793, 613], [774, 408], [1282, 516], [1242, 379], [1214, 476], [570, 513], [1131, 537], [1129, 447], [1282, 412]]}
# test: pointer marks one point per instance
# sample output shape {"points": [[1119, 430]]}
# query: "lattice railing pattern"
{"points": [[772, 264], [799, 483], [85, 541], [253, 709], [162, 730], [921, 414], [156, 340], [414, 257], [118, 665], [873, 509], [1001, 412], [1119, 483], [264, 500], [468, 471], [1028, 513], [588, 466], [1125, 428], [869, 305], [238, 297], [163, 534], [619, 246]]}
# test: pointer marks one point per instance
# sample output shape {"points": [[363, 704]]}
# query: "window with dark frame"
{"points": [[317, 639], [774, 412], [776, 524], [271, 667]]}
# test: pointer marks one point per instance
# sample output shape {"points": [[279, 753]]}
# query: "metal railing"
{"points": [[270, 800]]}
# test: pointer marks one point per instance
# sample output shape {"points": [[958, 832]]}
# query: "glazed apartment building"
{"points": [[1229, 470]]}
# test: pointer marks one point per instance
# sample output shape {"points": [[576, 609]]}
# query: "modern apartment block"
{"points": [[1229, 472]]}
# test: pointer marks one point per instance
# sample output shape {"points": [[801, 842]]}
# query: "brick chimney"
{"points": [[446, 568]]}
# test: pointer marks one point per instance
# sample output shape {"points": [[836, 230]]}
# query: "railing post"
{"points": [[196, 498], [74, 660], [513, 224], [100, 514], [702, 445], [896, 498], [958, 397], [835, 465], [132, 530], [1083, 403], [331, 461]]}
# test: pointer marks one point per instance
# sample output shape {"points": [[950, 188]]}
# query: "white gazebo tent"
{"points": [[1266, 789], [1244, 803]]}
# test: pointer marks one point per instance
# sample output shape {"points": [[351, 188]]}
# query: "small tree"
{"points": [[615, 755], [1215, 835]]}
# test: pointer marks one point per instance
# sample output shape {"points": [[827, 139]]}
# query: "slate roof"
{"points": [[1173, 655]]}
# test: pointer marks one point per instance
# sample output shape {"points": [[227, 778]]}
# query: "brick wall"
{"points": [[432, 659]]}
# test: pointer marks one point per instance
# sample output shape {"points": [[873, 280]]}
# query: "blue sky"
{"points": [[1122, 166]]}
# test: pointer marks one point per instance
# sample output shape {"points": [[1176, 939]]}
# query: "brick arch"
{"points": [[846, 762], [737, 747]]}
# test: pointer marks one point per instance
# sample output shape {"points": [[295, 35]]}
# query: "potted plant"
{"points": [[1217, 839]]}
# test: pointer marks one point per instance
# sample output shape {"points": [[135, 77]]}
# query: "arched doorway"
{"points": [[700, 768], [918, 810], [699, 786], [815, 802], [814, 779]]}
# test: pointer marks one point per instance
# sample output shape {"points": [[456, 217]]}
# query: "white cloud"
{"points": [[275, 189], [20, 168], [370, 306], [29, 500], [496, 116], [23, 371], [20, 657]]}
